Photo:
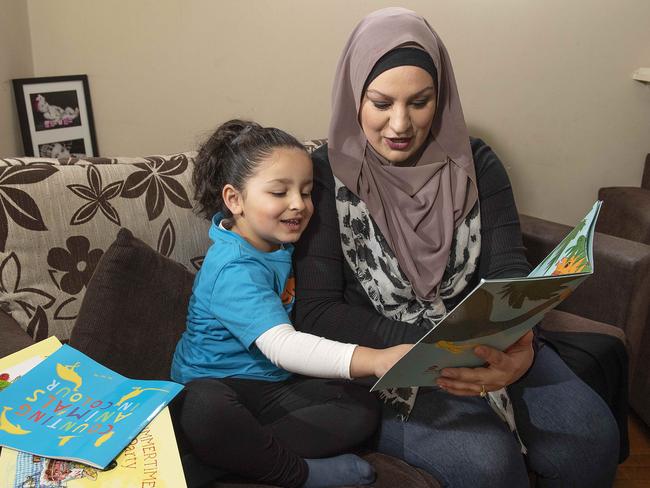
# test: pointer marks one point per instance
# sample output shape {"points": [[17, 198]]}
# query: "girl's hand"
{"points": [[388, 357], [501, 369], [367, 361]]}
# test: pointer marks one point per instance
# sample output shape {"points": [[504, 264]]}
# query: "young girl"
{"points": [[244, 411]]}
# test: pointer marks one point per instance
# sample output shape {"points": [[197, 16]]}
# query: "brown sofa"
{"points": [[60, 226], [626, 209], [131, 313], [626, 215], [618, 294]]}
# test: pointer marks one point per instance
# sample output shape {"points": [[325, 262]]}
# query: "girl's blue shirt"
{"points": [[239, 293]]}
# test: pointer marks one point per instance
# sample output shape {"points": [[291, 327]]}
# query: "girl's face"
{"points": [[397, 112], [275, 205]]}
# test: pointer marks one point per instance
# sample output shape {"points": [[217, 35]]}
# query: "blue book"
{"points": [[73, 408]]}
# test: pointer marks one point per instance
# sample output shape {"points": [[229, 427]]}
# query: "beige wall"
{"points": [[548, 84], [15, 62]]}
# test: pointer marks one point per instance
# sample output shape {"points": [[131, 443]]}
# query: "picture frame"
{"points": [[56, 116]]}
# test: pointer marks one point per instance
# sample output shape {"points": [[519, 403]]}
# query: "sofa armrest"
{"points": [[559, 321], [617, 293], [12, 337], [625, 213]]}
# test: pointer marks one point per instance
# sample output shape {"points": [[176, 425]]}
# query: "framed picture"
{"points": [[56, 116]]}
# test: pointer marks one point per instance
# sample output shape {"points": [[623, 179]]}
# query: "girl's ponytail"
{"points": [[230, 156], [213, 166]]}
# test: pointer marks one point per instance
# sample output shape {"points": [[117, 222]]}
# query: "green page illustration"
{"points": [[498, 312]]}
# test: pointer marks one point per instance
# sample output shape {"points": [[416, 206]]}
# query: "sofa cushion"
{"points": [[13, 337], [134, 309], [57, 218]]}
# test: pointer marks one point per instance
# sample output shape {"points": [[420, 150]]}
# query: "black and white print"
{"points": [[56, 118], [75, 148]]}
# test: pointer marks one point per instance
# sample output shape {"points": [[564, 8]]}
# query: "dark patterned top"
{"points": [[330, 301]]}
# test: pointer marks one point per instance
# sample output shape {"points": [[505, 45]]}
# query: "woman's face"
{"points": [[397, 112]]}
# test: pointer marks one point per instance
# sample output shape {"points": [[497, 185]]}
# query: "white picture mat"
{"points": [[63, 133]]}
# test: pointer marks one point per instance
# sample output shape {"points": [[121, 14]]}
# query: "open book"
{"points": [[69, 407], [497, 312]]}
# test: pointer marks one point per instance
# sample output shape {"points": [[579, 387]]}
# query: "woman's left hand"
{"points": [[501, 369]]}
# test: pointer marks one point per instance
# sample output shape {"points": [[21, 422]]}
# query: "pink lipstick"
{"points": [[398, 143]]}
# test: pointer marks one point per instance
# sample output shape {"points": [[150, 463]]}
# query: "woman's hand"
{"points": [[367, 361], [501, 369]]}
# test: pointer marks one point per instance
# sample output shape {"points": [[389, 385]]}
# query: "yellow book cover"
{"points": [[151, 460], [17, 364]]}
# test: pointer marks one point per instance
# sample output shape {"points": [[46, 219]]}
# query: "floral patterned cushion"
{"points": [[312, 144], [57, 217]]}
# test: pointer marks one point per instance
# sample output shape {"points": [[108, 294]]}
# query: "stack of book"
{"points": [[68, 421]]}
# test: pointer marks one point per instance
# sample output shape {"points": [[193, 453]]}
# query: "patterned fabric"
{"points": [[313, 144], [58, 216], [376, 267]]}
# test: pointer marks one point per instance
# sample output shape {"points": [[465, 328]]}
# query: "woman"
{"points": [[409, 215]]}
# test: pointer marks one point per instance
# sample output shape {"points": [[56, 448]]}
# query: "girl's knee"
{"points": [[363, 407], [352, 409], [209, 411]]}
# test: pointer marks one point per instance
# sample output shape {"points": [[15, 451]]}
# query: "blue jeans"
{"points": [[570, 434]]}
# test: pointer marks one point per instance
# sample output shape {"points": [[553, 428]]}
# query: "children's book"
{"points": [[497, 312], [15, 365], [151, 460], [72, 408]]}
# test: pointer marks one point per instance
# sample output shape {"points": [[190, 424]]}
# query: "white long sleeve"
{"points": [[306, 354]]}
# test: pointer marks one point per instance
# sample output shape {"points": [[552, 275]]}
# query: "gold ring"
{"points": [[483, 391]]}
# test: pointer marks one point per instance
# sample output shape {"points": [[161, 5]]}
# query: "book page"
{"points": [[497, 312], [574, 254]]}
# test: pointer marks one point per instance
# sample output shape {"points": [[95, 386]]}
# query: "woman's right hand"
{"points": [[368, 362]]}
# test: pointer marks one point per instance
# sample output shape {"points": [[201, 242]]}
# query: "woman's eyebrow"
{"points": [[421, 92]]}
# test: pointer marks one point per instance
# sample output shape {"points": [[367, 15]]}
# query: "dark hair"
{"points": [[403, 56], [230, 156]]}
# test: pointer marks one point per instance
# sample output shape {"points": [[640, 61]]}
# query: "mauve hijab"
{"points": [[416, 207]]}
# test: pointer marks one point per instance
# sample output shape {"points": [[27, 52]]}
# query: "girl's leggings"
{"points": [[262, 430]]}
